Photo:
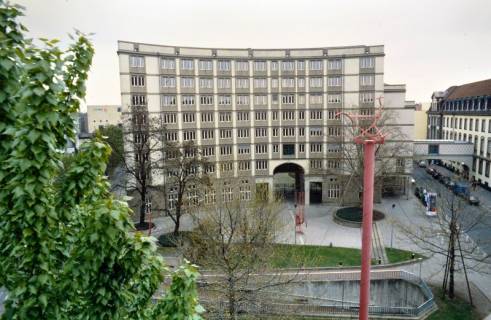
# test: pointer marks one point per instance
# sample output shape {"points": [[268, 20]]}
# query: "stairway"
{"points": [[378, 248]]}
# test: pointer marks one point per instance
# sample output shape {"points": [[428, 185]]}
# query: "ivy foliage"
{"points": [[66, 247]]}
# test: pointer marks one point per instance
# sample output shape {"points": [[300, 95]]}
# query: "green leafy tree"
{"points": [[114, 138], [66, 250]]}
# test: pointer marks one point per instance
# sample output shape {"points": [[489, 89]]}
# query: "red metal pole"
{"points": [[366, 244]]}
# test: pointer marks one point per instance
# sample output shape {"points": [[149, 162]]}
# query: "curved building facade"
{"points": [[259, 113]]}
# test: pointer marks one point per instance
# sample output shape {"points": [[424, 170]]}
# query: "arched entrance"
{"points": [[288, 181]]}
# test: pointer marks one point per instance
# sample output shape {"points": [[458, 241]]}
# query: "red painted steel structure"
{"points": [[369, 136]]}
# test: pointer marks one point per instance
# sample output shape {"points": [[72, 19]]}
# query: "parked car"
{"points": [[450, 184], [473, 200], [422, 164], [429, 170], [418, 192], [442, 178]]}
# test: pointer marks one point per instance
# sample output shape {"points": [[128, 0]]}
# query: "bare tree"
{"points": [[143, 135], [234, 237], [390, 157], [185, 179], [448, 237]]}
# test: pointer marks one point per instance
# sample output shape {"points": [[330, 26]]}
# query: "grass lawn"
{"points": [[398, 255], [290, 256], [453, 310]]}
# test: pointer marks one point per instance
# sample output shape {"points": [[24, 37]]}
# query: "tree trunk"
{"points": [[451, 291], [177, 223], [231, 299], [142, 207]]}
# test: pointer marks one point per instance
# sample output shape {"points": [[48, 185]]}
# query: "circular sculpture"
{"points": [[353, 216]]}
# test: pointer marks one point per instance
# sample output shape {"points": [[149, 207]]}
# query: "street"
{"points": [[476, 220]]}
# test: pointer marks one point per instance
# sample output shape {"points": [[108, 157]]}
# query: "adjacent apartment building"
{"points": [[464, 113], [99, 116], [259, 112]]}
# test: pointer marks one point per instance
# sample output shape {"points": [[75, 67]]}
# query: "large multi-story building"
{"points": [[99, 116], [257, 113], [464, 113]]}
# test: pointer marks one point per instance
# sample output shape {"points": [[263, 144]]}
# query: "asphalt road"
{"points": [[476, 219]]}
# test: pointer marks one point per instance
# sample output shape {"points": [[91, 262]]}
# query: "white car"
{"points": [[422, 164]]}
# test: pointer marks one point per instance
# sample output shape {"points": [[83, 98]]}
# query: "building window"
{"points": [[138, 100], [169, 118], [206, 100], [315, 65], [261, 116], [244, 166], [274, 65], [207, 134], [275, 148], [167, 82], [171, 136], [224, 83], [288, 115], [167, 63], [315, 98], [301, 82], [224, 65], [301, 115], [274, 83], [367, 62], [137, 62], [206, 65], [242, 116], [225, 150], [261, 132], [334, 64], [316, 132], [261, 164], [316, 164], [367, 80], [242, 66], [287, 98], [138, 81], [187, 100], [260, 83], [333, 98], [300, 65], [334, 131], [225, 116], [206, 83], [315, 115], [207, 117], [274, 115], [334, 81], [261, 148], [301, 131], [316, 82], [301, 147], [274, 99], [259, 65], [288, 65], [367, 97], [260, 100], [187, 82], [243, 149], [242, 83], [288, 132], [333, 164], [189, 135], [188, 117], [288, 149], [224, 100], [187, 64], [243, 133], [333, 191], [301, 99], [225, 133], [288, 82], [242, 100], [275, 132], [227, 191], [316, 147]]}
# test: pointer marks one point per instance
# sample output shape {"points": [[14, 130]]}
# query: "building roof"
{"points": [[473, 89]]}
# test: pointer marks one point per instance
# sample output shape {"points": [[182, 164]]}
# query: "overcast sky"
{"points": [[429, 45]]}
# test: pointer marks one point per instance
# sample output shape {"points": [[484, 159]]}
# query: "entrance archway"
{"points": [[288, 181]]}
